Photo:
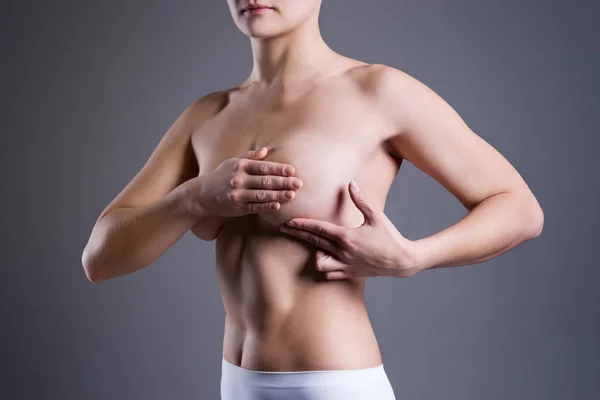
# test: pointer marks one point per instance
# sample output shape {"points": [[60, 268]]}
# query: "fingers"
{"points": [[321, 228], [262, 185], [260, 195], [270, 182], [256, 154], [325, 262], [263, 175], [260, 207], [257, 167], [360, 202], [334, 275], [319, 241]]}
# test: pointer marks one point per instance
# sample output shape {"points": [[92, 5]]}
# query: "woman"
{"points": [[283, 147]]}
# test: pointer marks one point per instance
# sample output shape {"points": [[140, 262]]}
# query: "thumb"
{"points": [[256, 154], [360, 202]]}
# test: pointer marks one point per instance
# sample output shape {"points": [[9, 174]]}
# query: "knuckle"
{"points": [[263, 168], [265, 181], [233, 196], [261, 195], [350, 246], [236, 181], [238, 164], [344, 239]]}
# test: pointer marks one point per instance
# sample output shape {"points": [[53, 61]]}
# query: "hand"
{"points": [[375, 248], [246, 185]]}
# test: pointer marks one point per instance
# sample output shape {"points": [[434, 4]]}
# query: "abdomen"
{"points": [[283, 314]]}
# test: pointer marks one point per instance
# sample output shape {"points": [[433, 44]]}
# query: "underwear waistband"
{"points": [[302, 378]]}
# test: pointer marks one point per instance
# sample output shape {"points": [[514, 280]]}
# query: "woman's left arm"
{"points": [[503, 212]]}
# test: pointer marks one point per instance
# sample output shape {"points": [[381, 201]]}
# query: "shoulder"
{"points": [[395, 93], [380, 80], [209, 104], [204, 108]]}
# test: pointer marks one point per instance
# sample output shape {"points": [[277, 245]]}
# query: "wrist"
{"points": [[410, 258], [418, 255], [186, 197]]}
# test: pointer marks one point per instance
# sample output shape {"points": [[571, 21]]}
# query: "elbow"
{"points": [[534, 221], [92, 270]]}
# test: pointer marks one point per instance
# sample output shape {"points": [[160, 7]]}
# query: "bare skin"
{"points": [[282, 314], [344, 120]]}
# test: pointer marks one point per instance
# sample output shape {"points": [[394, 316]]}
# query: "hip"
{"points": [[301, 343], [238, 383]]}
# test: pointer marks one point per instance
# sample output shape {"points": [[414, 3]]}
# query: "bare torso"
{"points": [[281, 313]]}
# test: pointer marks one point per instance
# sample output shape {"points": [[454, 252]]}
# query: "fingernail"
{"points": [[354, 185]]}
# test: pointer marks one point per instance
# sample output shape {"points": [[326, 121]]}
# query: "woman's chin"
{"points": [[261, 34], [261, 30]]}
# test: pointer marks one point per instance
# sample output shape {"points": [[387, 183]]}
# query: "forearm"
{"points": [[494, 226], [128, 239]]}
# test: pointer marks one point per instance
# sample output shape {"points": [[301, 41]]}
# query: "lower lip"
{"points": [[258, 10]]}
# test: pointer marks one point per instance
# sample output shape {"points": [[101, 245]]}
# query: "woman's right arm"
{"points": [[167, 198], [151, 213]]}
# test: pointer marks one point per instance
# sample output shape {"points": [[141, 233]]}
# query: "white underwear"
{"points": [[239, 383]]}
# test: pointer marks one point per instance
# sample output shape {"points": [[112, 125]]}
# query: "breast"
{"points": [[325, 170], [329, 141]]}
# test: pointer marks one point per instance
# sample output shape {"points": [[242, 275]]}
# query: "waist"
{"points": [[309, 378], [282, 313], [315, 336]]}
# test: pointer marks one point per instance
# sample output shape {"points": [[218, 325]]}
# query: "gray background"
{"points": [[89, 88]]}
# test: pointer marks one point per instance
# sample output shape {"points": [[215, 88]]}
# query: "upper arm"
{"points": [[171, 163], [433, 137]]}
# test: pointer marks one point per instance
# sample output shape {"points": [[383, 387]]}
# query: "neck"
{"points": [[290, 59]]}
